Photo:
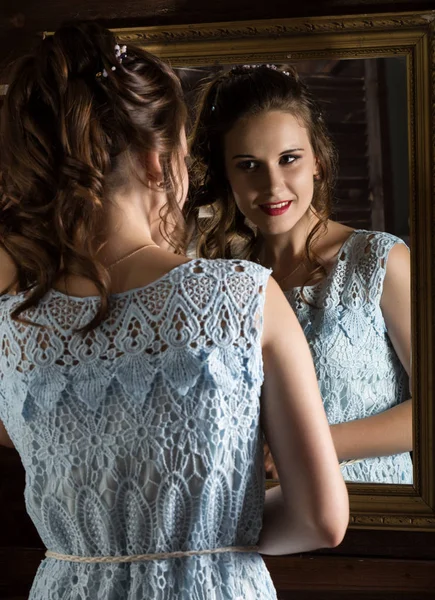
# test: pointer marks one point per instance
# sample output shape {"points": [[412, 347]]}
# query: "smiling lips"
{"points": [[274, 209]]}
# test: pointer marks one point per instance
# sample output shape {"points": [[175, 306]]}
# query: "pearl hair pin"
{"points": [[120, 53]]}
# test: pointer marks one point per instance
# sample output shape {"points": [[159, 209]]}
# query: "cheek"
{"points": [[243, 200], [240, 187], [238, 199], [303, 182]]}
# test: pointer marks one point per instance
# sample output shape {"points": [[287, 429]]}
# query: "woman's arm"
{"points": [[8, 274], [5, 440], [310, 508], [386, 433], [389, 432]]}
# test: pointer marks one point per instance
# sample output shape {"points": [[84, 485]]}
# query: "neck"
{"points": [[278, 251], [133, 221]]}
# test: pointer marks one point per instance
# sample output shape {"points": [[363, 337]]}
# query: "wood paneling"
{"points": [[50, 13], [368, 564], [22, 21], [369, 575], [316, 577], [16, 528], [17, 570]]}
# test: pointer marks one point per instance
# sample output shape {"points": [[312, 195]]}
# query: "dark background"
{"points": [[368, 564], [364, 105]]}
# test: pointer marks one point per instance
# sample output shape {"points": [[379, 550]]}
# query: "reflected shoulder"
{"points": [[397, 283], [399, 262]]}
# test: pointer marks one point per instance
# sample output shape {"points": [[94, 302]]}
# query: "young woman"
{"points": [[129, 376], [264, 169]]}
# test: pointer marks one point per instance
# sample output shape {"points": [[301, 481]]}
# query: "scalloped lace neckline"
{"points": [[313, 287], [125, 293]]}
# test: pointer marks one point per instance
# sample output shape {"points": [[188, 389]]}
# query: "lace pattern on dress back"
{"points": [[143, 436]]}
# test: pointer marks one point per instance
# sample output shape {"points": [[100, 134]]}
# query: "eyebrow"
{"points": [[281, 153]]}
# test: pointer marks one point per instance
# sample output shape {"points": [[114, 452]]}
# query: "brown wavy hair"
{"points": [[66, 129], [241, 92]]}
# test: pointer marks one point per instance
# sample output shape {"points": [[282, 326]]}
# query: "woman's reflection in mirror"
{"points": [[263, 174]]}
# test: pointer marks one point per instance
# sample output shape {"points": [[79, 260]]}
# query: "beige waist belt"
{"points": [[145, 557]]}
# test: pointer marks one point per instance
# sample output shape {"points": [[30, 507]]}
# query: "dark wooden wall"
{"points": [[21, 21], [376, 565]]}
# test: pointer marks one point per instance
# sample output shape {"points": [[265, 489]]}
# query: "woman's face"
{"points": [[271, 167]]}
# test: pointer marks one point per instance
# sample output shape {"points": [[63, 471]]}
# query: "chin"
{"points": [[277, 228]]}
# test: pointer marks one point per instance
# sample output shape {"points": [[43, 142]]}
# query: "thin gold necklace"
{"points": [[131, 254], [282, 279]]}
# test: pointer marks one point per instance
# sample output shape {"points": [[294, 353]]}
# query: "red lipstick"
{"points": [[276, 208]]}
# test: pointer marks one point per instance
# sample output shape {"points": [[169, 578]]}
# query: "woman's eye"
{"points": [[288, 159], [247, 165]]}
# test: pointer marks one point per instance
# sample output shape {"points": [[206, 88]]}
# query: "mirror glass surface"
{"points": [[365, 107]]}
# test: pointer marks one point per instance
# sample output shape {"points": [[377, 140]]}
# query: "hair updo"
{"points": [[63, 128], [242, 92]]}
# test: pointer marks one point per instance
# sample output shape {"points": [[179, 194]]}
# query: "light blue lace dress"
{"points": [[358, 370], [143, 436]]}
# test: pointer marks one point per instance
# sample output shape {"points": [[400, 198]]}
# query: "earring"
{"points": [[160, 184]]}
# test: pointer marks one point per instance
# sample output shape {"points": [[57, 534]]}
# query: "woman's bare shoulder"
{"points": [[332, 242]]}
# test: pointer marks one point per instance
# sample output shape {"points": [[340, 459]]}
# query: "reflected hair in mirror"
{"points": [[241, 92]]}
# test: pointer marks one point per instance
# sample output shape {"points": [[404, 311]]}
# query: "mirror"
{"points": [[365, 108], [391, 57]]}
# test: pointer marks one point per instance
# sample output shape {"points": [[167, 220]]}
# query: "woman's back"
{"points": [[143, 435], [135, 404]]}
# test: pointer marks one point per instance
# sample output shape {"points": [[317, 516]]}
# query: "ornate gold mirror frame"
{"points": [[410, 35]]}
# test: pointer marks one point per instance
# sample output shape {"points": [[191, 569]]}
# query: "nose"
{"points": [[272, 182]]}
